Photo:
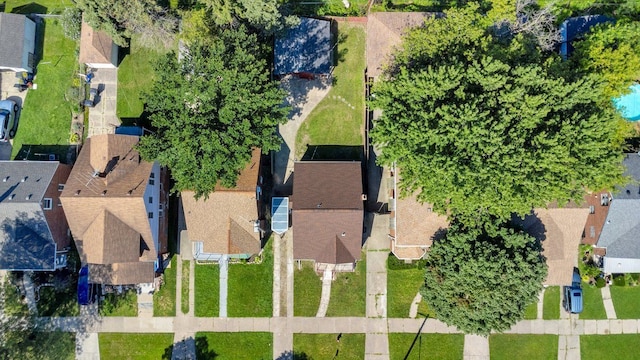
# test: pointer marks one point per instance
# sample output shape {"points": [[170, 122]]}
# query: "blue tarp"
{"points": [[84, 289], [575, 27], [305, 48]]}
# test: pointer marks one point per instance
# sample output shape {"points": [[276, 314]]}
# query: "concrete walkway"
{"points": [[102, 117], [327, 279], [87, 346], [569, 347], [224, 284], [608, 303], [30, 293], [476, 347], [415, 303], [540, 305], [145, 305]]}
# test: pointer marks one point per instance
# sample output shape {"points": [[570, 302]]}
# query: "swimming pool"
{"points": [[629, 105]]}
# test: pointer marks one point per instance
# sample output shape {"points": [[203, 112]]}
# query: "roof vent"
{"points": [[319, 205], [77, 192], [104, 192], [95, 173], [12, 196], [24, 179], [129, 192], [344, 234], [28, 197], [364, 197], [5, 179]]}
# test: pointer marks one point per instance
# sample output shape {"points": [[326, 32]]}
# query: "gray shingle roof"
{"points": [[621, 231], [26, 180], [11, 39], [26, 242], [631, 190], [304, 48]]}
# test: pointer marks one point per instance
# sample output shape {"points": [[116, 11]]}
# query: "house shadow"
{"points": [[30, 8], [66, 154], [333, 153], [299, 91], [535, 227]]}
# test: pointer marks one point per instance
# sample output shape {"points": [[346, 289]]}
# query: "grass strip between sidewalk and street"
{"points": [[239, 345], [426, 346], [602, 347], [326, 346], [186, 268], [119, 346], [512, 346]]}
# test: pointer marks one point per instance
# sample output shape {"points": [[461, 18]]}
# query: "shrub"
{"points": [[619, 280], [600, 282], [71, 22], [393, 263]]}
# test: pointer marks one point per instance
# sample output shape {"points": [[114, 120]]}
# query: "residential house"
{"points": [[116, 205], [17, 43], [34, 235], [305, 50], [228, 222], [619, 241], [384, 34], [413, 226], [327, 213], [97, 50], [559, 231]]}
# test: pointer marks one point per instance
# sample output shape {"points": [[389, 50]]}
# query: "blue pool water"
{"points": [[629, 105]]}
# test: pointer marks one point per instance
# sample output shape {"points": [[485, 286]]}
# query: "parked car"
{"points": [[572, 301], [9, 119], [86, 291]]}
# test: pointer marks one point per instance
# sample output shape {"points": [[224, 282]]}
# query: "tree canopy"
{"points": [[266, 16], [481, 283], [121, 19], [484, 126], [611, 51], [210, 109]]}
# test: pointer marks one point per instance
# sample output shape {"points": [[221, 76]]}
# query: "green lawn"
{"points": [[511, 346], [135, 346], [46, 116], [13, 303], [232, 346], [592, 306], [625, 301], [61, 303], [426, 346], [120, 304], [307, 290], [614, 347], [253, 279], [38, 6], [207, 290], [135, 75], [402, 287], [338, 118], [531, 311], [325, 346], [164, 300], [186, 269], [348, 292], [551, 303]]}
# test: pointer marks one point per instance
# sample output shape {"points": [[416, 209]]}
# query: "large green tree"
{"points": [[481, 283], [612, 51], [122, 19], [484, 126], [209, 110]]}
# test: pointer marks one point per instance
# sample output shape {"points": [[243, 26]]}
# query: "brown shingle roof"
{"points": [[224, 222], [122, 273], [327, 185], [332, 232], [416, 226], [87, 199], [384, 33], [559, 230], [96, 47], [109, 240]]}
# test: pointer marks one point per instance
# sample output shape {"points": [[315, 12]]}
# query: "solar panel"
{"points": [[279, 215]]}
